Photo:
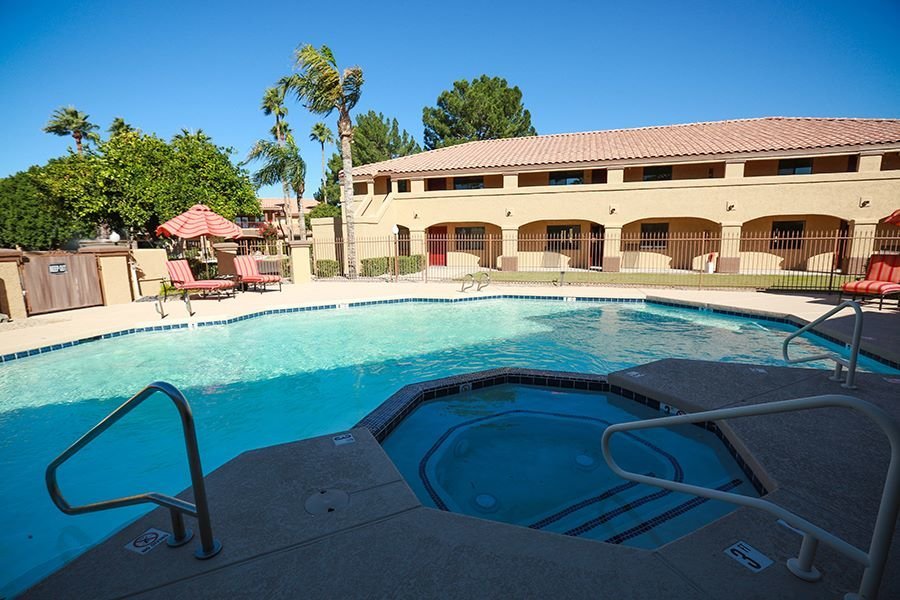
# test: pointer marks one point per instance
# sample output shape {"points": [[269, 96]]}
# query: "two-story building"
{"points": [[773, 176]]}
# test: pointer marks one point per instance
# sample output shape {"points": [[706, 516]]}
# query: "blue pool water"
{"points": [[286, 377], [531, 457]]}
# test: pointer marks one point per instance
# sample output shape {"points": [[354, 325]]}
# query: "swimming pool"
{"points": [[531, 456], [286, 377]]}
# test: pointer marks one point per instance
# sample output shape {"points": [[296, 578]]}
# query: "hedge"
{"points": [[327, 267], [382, 265]]}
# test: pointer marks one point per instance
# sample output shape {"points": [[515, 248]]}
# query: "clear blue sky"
{"points": [[166, 65]]}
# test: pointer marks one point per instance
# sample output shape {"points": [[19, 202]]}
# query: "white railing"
{"points": [[802, 566], [839, 361]]}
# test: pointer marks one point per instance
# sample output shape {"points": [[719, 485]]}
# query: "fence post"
{"points": [[862, 244], [12, 302], [729, 250], [300, 261], [225, 254], [115, 274], [612, 249]]}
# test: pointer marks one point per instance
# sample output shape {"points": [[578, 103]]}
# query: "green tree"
{"points": [[324, 88], [33, 219], [76, 182], [483, 109], [376, 138], [320, 133], [273, 104], [322, 209], [120, 126], [331, 192], [71, 121], [281, 164]]}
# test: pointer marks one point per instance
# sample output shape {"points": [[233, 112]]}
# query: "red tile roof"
{"points": [[276, 204], [742, 136]]}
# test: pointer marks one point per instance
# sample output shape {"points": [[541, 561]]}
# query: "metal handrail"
{"points": [[481, 278], [874, 560], [839, 361], [209, 545]]}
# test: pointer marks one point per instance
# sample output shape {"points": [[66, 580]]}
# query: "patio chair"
{"points": [[248, 272], [882, 279], [182, 279]]}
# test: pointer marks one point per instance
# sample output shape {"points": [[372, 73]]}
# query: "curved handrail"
{"points": [[209, 546], [874, 560], [837, 358]]}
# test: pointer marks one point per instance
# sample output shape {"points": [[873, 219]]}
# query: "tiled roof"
{"points": [[768, 134], [275, 204]]}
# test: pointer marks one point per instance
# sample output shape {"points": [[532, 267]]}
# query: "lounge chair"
{"points": [[882, 279], [248, 272], [182, 279]]}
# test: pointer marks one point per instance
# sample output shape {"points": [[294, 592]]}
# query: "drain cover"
{"points": [[326, 501]]}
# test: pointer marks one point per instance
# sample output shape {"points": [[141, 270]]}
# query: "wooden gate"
{"points": [[60, 282]]}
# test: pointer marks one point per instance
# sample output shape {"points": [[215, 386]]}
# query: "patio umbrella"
{"points": [[199, 221], [894, 219]]}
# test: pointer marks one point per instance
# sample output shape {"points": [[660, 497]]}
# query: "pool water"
{"points": [[281, 378], [531, 457]]}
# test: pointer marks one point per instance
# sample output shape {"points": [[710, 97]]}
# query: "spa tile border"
{"points": [[758, 315], [390, 413]]}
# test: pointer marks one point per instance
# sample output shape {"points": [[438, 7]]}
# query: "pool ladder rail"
{"points": [[874, 560], [479, 281], [209, 545], [839, 361]]}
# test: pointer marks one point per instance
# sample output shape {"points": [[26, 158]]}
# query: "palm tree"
{"points": [[120, 126], [273, 104], [323, 88], [71, 121], [281, 164], [185, 134], [320, 133]]}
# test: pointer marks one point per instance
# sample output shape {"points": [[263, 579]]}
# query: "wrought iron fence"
{"points": [[786, 260], [272, 256]]}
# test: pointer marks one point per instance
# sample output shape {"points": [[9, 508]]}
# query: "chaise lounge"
{"points": [[248, 272], [882, 279], [182, 279]]}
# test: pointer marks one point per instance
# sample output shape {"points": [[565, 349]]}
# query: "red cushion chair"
{"points": [[882, 279], [181, 277], [248, 272]]}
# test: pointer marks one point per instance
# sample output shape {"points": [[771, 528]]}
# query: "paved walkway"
{"points": [[55, 328]]}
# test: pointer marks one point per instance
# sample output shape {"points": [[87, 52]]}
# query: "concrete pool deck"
{"points": [[384, 543], [881, 335]]}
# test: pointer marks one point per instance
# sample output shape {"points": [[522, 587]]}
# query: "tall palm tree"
{"points": [[324, 88], [119, 126], [281, 164], [320, 133], [71, 121], [273, 104]]}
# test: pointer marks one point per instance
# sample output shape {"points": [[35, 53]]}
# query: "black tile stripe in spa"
{"points": [[277, 311], [385, 418]]}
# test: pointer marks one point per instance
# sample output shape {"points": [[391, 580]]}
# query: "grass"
{"points": [[798, 281]]}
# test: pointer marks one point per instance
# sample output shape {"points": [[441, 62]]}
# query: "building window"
{"points": [[435, 185], [563, 237], [654, 236], [468, 183], [787, 235], [599, 176], [567, 178], [360, 189], [403, 185], [853, 163], [663, 173], [795, 166], [470, 238], [243, 222]]}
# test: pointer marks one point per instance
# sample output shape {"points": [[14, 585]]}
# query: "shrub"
{"points": [[327, 267], [374, 267]]}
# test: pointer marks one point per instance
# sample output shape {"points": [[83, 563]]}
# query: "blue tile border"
{"points": [[390, 413], [361, 303]]}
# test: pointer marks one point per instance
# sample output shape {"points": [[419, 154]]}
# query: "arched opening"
{"points": [[463, 245], [804, 242], [674, 243], [560, 244]]}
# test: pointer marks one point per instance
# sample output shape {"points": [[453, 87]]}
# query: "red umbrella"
{"points": [[199, 221], [894, 219]]}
